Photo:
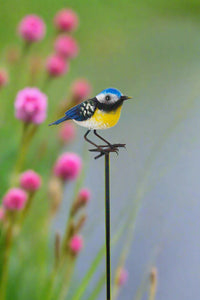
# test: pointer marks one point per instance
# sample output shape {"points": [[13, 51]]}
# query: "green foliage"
{"points": [[123, 43]]}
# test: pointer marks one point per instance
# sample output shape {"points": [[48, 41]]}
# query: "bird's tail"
{"points": [[65, 118]]}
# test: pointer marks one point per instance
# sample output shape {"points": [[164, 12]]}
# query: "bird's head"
{"points": [[110, 98]]}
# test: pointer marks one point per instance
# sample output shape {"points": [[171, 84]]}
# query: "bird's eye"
{"points": [[108, 98]]}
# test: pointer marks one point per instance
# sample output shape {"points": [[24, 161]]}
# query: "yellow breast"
{"points": [[101, 119], [106, 119]]}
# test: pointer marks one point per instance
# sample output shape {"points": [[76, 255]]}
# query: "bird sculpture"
{"points": [[100, 112]]}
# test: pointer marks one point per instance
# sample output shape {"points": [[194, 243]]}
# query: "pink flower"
{"points": [[15, 199], [76, 244], [68, 166], [32, 28], [84, 196], [31, 105], [3, 77], [80, 89], [66, 46], [2, 213], [67, 132], [56, 66], [66, 20], [122, 276], [30, 180]]}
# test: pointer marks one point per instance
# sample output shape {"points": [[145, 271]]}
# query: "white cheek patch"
{"points": [[102, 98]]}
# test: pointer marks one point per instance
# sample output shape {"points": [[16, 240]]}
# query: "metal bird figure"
{"points": [[100, 112]]}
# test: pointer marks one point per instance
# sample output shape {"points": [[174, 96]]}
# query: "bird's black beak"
{"points": [[123, 98]]}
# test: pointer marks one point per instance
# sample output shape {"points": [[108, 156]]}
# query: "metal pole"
{"points": [[107, 224]]}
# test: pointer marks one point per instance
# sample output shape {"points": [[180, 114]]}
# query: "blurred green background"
{"points": [[149, 50]]}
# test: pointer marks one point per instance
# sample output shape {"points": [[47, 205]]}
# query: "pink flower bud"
{"points": [[30, 181], [68, 166], [66, 46], [80, 89], [66, 20], [3, 77], [76, 244], [56, 66], [122, 276], [31, 105], [84, 196], [2, 213], [15, 199], [67, 132], [32, 28]]}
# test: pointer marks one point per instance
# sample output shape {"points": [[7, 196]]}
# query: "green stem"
{"points": [[115, 292], [95, 264], [50, 285], [46, 83], [141, 290], [69, 271], [4, 273], [58, 286], [66, 264], [27, 135], [19, 68], [26, 209], [98, 288], [67, 234], [57, 251], [28, 204]]}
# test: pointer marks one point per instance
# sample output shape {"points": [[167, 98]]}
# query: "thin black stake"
{"points": [[107, 224], [106, 150]]}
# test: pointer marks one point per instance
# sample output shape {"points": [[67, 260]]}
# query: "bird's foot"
{"points": [[118, 145], [105, 149], [112, 146]]}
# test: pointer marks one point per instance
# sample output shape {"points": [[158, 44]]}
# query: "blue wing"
{"points": [[80, 112], [74, 113]]}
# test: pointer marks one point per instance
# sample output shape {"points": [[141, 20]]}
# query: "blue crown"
{"points": [[111, 91]]}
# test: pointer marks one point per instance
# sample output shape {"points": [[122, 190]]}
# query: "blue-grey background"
{"points": [[160, 126], [150, 50]]}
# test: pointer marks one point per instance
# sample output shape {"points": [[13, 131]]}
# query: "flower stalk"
{"points": [[8, 238], [153, 283], [27, 135]]}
